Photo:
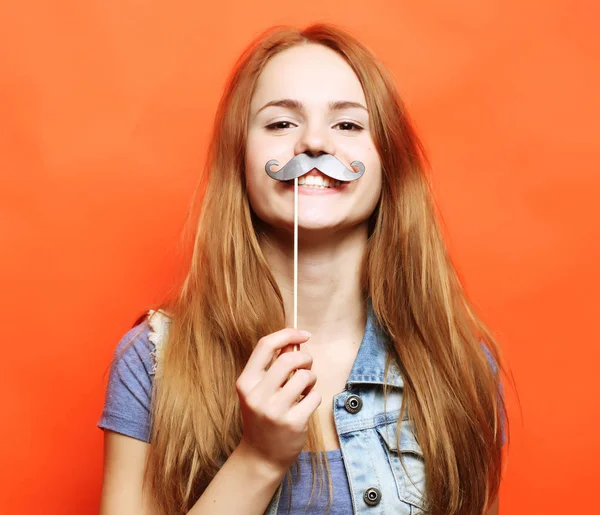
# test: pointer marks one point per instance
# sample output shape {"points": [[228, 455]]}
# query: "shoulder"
{"points": [[129, 391], [134, 350], [140, 349]]}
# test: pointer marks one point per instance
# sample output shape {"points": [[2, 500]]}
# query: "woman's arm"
{"points": [[124, 460], [244, 485]]}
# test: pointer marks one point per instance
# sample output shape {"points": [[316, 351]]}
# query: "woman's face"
{"points": [[312, 76]]}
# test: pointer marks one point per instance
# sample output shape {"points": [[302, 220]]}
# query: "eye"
{"points": [[277, 126], [356, 128]]}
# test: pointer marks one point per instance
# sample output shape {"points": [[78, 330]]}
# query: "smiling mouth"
{"points": [[316, 179], [316, 182]]}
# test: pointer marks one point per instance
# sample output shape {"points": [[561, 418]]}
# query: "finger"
{"points": [[265, 350], [301, 383], [291, 348], [281, 369], [306, 407]]}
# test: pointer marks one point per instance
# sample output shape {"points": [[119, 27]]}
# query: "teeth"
{"points": [[316, 186], [312, 181]]}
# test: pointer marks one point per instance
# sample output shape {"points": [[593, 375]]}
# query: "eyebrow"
{"points": [[298, 106]]}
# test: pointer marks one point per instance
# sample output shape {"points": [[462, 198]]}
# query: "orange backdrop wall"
{"points": [[105, 112]]}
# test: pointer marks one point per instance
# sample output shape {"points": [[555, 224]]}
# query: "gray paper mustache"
{"points": [[325, 163]]}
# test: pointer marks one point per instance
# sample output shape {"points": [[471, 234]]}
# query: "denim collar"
{"points": [[369, 364]]}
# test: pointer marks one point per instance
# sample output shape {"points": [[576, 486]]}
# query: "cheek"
{"points": [[372, 194], [374, 186], [254, 187], [252, 172], [258, 154], [249, 164], [257, 184]]}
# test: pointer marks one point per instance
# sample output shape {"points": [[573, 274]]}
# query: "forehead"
{"points": [[312, 74]]}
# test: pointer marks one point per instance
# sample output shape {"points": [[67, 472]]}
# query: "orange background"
{"points": [[105, 111]]}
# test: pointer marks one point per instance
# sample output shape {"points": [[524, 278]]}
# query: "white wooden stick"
{"points": [[296, 347]]}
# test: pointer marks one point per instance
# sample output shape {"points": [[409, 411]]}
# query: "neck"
{"points": [[330, 303]]}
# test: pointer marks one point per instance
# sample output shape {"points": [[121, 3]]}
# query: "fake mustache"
{"points": [[325, 163]]}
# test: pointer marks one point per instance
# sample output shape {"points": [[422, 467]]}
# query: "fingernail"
{"points": [[305, 333]]}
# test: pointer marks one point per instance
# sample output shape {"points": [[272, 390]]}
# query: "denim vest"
{"points": [[378, 481]]}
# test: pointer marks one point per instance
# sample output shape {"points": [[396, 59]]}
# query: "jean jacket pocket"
{"points": [[407, 463]]}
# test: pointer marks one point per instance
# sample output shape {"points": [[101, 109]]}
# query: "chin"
{"points": [[316, 230]]}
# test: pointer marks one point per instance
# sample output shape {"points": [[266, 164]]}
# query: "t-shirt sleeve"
{"points": [[129, 390]]}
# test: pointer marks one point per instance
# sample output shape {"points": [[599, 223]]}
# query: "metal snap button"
{"points": [[353, 404], [372, 496]]}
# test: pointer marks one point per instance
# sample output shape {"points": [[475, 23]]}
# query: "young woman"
{"points": [[393, 403]]}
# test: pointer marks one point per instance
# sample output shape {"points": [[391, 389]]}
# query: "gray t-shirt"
{"points": [[127, 411]]}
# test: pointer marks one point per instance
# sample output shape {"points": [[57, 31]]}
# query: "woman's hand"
{"points": [[275, 424]]}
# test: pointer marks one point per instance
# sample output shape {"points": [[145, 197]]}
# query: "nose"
{"points": [[314, 140]]}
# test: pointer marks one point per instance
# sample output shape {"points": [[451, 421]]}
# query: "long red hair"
{"points": [[229, 299]]}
